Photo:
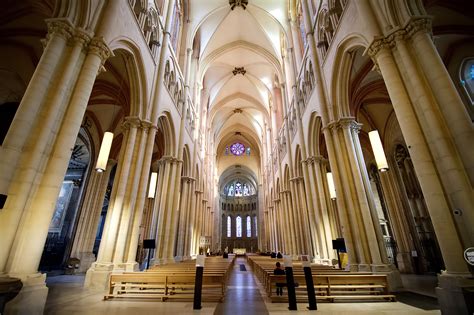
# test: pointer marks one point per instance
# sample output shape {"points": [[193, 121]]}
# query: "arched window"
{"points": [[466, 74], [302, 30], [238, 225], [238, 189], [231, 190], [249, 227], [247, 151], [255, 224], [176, 26], [246, 190], [229, 226]]}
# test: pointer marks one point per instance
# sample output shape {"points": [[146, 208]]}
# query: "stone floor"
{"points": [[245, 295]]}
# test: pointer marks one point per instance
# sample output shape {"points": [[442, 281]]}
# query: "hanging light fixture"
{"points": [[152, 185], [332, 188], [104, 152], [108, 138], [377, 148]]}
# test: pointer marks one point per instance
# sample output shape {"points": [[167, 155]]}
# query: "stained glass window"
{"points": [[255, 224], [231, 190], [238, 225], [238, 189], [246, 190], [249, 227], [247, 151], [229, 226], [237, 148], [226, 150], [467, 82]]}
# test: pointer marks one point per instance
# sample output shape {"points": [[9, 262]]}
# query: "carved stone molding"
{"points": [[348, 123], [100, 48], [131, 122], [82, 37], [296, 179], [61, 27], [316, 159], [169, 159], [414, 25]]}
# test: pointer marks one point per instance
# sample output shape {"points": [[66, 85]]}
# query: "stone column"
{"points": [[355, 207], [398, 219], [191, 219], [148, 135], [456, 275], [30, 140], [165, 213], [438, 106], [321, 211], [442, 89], [32, 233], [116, 235], [89, 219], [183, 216], [50, 65]]}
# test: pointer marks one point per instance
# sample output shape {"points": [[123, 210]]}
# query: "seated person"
{"points": [[279, 255], [279, 271]]}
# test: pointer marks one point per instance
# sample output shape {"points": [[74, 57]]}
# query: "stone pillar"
{"points": [[188, 249], [353, 204], [148, 131], [443, 119], [123, 217], [164, 235], [89, 219], [456, 274], [33, 132], [400, 228], [49, 68], [442, 89], [316, 165], [183, 216], [37, 213]]}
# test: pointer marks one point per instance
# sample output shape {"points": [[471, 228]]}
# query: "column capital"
{"points": [[419, 24], [146, 124], [99, 47], [82, 37], [316, 159], [59, 26], [296, 179], [131, 122], [348, 123], [169, 159], [412, 27]]}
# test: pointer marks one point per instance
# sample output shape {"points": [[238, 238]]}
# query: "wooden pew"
{"points": [[337, 287], [173, 281]]}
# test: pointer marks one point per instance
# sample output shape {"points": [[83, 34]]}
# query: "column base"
{"points": [[32, 297], [86, 261], [404, 262], [97, 275], [393, 276], [450, 294]]}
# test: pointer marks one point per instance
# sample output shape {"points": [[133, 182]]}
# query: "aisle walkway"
{"points": [[242, 296]]}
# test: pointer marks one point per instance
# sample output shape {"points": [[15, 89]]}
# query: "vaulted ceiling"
{"points": [[240, 62]]}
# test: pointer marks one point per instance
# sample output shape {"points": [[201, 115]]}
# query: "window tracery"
{"points": [[238, 226]]}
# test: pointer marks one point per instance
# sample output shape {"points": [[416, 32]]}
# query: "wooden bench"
{"points": [[172, 281], [336, 287], [164, 287]]}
